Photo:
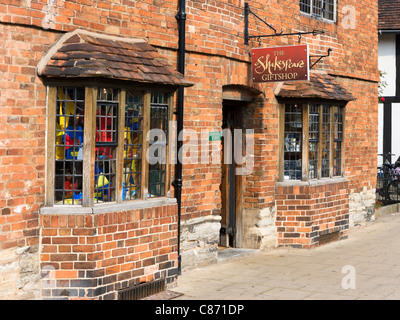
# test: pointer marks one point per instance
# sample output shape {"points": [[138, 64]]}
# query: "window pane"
{"points": [[325, 143], [328, 9], [318, 8], [158, 142], [70, 107], [313, 142], [305, 6], [292, 142], [133, 144], [106, 143], [338, 139]]}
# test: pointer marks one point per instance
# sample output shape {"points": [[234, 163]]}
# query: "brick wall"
{"points": [[155, 20], [305, 213], [22, 155], [201, 195], [22, 172], [92, 256], [361, 135], [216, 56], [22, 134], [214, 29], [259, 187]]}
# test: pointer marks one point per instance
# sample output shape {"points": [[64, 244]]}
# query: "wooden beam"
{"points": [[343, 111], [50, 146], [120, 149], [305, 142], [146, 129], [332, 139], [281, 141], [168, 147], [319, 174], [89, 147]]}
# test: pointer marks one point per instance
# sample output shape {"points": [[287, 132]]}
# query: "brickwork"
{"points": [[132, 19], [201, 183], [305, 213], [214, 28], [22, 154], [259, 187], [22, 134], [354, 66], [93, 256], [215, 57], [361, 140]]}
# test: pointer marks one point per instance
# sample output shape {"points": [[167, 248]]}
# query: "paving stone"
{"points": [[302, 274]]}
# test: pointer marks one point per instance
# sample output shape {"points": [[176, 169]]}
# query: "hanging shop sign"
{"points": [[290, 63]]}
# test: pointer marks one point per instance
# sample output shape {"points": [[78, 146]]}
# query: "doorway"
{"points": [[231, 184]]}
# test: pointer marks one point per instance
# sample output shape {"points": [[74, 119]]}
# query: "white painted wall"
{"points": [[395, 131], [380, 133], [387, 61]]}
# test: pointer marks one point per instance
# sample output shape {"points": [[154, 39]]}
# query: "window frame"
{"points": [[88, 183], [305, 139], [311, 14]]}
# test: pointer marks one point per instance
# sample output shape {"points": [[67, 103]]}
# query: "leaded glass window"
{"points": [[101, 143], [337, 141], [70, 114], [293, 141], [159, 121], [325, 141], [322, 154], [313, 142]]}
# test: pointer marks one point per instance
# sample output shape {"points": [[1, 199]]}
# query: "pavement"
{"points": [[366, 266]]}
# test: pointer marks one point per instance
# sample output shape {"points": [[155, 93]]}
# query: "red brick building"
{"points": [[84, 215]]}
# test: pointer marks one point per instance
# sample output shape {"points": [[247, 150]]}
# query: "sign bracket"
{"points": [[319, 58], [247, 37]]}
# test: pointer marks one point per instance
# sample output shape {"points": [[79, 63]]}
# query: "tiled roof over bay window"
{"points": [[84, 54], [320, 86]]}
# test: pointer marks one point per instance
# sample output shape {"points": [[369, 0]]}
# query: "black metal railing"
{"points": [[388, 182]]}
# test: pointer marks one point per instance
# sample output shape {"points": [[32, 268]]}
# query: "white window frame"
{"points": [[318, 16]]}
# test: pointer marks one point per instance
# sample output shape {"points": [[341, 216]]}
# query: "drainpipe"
{"points": [[181, 17]]}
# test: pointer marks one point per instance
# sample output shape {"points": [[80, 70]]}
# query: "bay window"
{"points": [[97, 144], [311, 141]]}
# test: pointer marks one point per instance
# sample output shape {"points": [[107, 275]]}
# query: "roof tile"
{"points": [[84, 54], [389, 15], [320, 86]]}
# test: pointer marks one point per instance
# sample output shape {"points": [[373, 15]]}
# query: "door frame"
{"points": [[231, 184]]}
